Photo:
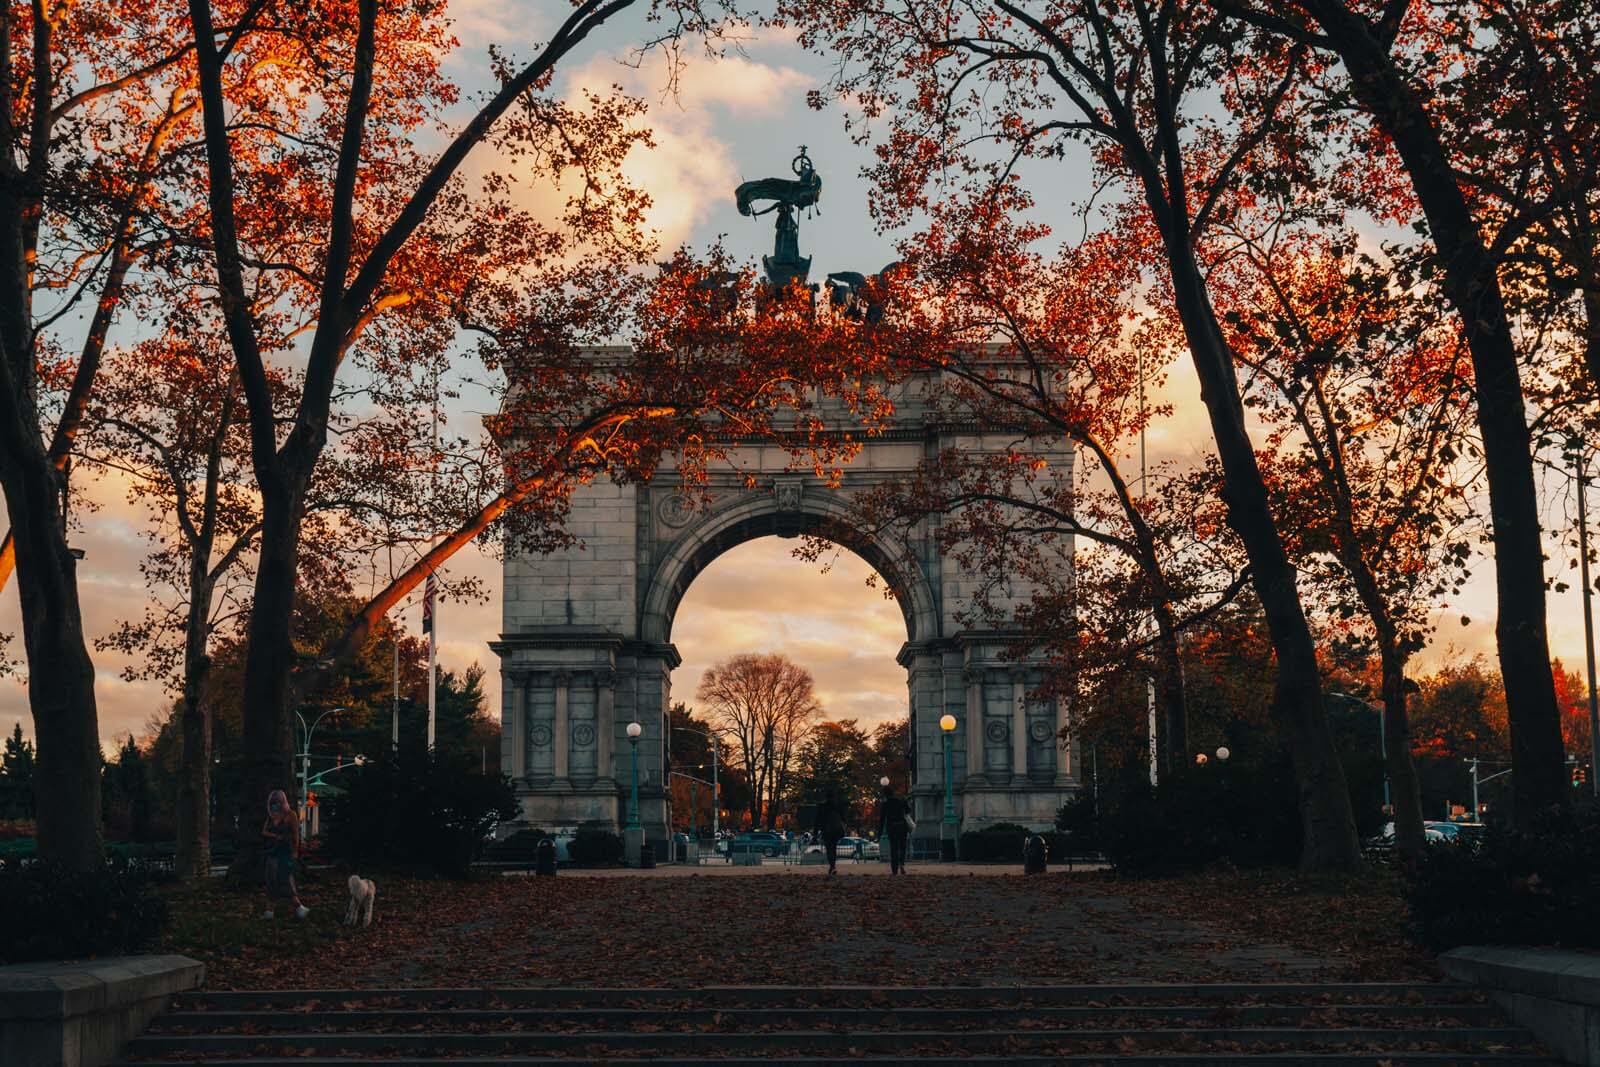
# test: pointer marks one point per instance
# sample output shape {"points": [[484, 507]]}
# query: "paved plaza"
{"points": [[681, 926]]}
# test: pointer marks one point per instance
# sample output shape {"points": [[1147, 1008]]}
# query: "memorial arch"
{"points": [[587, 647]]}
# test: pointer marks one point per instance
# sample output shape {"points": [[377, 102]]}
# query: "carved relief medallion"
{"points": [[995, 730], [675, 510], [1040, 730], [583, 735], [539, 735]]}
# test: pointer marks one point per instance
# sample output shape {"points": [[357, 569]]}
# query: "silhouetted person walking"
{"points": [[895, 815], [830, 828]]}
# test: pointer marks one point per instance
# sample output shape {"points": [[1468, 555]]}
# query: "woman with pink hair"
{"points": [[281, 832]]}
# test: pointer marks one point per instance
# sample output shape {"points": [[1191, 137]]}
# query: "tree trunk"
{"points": [[1473, 289], [60, 674], [268, 738], [1327, 820], [1404, 790], [1171, 698], [193, 860]]}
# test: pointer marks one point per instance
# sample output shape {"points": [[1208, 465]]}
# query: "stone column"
{"points": [[1019, 727], [563, 680], [1065, 750], [517, 728], [605, 724], [973, 676]]}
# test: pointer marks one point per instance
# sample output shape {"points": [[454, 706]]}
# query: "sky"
{"points": [[732, 119]]}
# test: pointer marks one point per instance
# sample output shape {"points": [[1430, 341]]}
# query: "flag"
{"points": [[428, 592]]}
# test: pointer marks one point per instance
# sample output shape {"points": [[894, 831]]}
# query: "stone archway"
{"points": [[587, 648]]}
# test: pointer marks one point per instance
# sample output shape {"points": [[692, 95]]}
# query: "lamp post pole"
{"points": [[634, 730], [716, 794], [947, 726], [1588, 631], [305, 752]]}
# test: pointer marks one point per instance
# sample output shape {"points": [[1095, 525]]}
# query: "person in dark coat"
{"points": [[893, 812], [830, 828]]}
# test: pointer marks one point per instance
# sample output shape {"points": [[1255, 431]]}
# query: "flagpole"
{"points": [[432, 605], [394, 723], [433, 664]]}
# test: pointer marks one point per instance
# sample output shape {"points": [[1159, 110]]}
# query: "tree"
{"points": [[1462, 713], [1374, 50], [892, 756], [129, 801], [1572, 696], [16, 771], [1137, 83], [1368, 394], [1056, 355], [93, 99], [766, 704], [837, 758], [413, 258]]}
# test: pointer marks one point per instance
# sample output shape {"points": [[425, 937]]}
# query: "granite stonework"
{"points": [[81, 1012], [1553, 992], [587, 648]]}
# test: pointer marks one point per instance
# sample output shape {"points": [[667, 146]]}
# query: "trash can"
{"points": [[647, 856], [544, 858]]}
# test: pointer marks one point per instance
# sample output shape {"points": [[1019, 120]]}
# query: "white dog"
{"points": [[362, 894]]}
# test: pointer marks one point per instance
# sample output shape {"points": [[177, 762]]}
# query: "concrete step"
{"points": [[843, 996], [899, 1017], [1245, 1023], [1121, 1059], [877, 1041]]}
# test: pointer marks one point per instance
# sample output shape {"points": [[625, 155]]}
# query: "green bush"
{"points": [[1245, 815], [595, 848], [425, 812], [52, 913], [1536, 888], [1003, 843]]}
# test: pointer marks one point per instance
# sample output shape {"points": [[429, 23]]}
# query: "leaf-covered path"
{"points": [[800, 927]]}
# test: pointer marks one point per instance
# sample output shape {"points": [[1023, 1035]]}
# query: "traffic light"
{"points": [[1580, 775]]}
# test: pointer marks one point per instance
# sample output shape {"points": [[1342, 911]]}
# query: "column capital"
{"points": [[605, 678]]}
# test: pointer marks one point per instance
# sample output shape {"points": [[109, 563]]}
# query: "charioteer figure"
{"points": [[786, 264]]}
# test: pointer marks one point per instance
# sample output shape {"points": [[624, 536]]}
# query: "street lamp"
{"points": [[305, 749], [884, 781], [1200, 759], [947, 724], [634, 730], [1223, 753], [715, 793]]}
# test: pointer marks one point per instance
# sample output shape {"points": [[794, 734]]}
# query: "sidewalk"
{"points": [[773, 867]]}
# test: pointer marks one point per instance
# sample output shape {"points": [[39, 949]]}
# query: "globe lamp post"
{"points": [[634, 730]]}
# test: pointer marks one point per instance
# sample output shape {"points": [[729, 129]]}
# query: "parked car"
{"points": [[766, 842], [865, 848], [1455, 833]]}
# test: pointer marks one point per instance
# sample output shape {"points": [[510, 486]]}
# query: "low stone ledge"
{"points": [[1553, 992], [81, 1012]]}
